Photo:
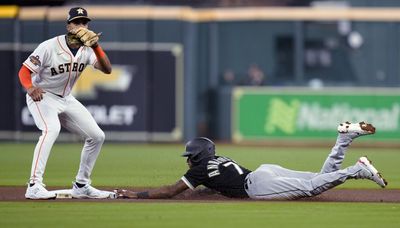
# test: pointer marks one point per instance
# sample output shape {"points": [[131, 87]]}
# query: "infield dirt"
{"points": [[10, 193]]}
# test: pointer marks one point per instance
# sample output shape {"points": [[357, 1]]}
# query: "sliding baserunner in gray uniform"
{"points": [[276, 182], [224, 176]]}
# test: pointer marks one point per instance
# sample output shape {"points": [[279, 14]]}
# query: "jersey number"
{"points": [[240, 171]]}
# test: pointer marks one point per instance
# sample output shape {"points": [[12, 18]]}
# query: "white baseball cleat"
{"points": [[89, 192], [38, 191], [356, 129], [368, 171]]}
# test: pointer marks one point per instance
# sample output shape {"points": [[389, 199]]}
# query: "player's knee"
{"points": [[53, 131], [312, 190], [99, 136]]}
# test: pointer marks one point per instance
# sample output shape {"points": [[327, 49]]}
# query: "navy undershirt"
{"points": [[73, 50]]}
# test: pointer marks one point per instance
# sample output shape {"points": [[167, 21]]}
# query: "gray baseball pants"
{"points": [[275, 182]]}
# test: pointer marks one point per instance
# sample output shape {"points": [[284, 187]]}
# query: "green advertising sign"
{"points": [[271, 113]]}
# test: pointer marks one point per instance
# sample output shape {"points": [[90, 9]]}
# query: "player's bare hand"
{"points": [[125, 194], [36, 93]]}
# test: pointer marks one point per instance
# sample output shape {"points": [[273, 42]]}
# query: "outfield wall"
{"points": [[169, 61], [303, 114]]}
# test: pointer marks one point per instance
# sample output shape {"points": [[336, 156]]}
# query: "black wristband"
{"points": [[142, 195]]}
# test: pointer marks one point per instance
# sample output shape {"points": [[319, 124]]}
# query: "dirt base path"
{"points": [[336, 195]]}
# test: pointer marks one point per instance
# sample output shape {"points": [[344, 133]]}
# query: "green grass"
{"points": [[234, 214], [158, 164], [154, 165]]}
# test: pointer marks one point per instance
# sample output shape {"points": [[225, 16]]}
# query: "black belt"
{"points": [[56, 95], [246, 187]]}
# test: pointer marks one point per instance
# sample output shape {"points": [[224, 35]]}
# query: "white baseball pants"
{"points": [[49, 115]]}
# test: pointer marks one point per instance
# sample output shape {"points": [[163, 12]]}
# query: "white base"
{"points": [[66, 194], [63, 193]]}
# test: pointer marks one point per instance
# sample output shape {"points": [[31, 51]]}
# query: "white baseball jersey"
{"points": [[55, 69]]}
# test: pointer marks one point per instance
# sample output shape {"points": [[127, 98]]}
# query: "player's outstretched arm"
{"points": [[205, 191], [158, 193]]}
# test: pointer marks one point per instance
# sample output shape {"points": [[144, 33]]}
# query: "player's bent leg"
{"points": [[335, 158], [363, 169], [89, 154], [347, 132], [262, 185], [46, 119], [77, 119]]}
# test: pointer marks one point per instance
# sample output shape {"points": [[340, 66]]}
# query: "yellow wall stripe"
{"points": [[8, 11], [32, 13], [220, 14]]}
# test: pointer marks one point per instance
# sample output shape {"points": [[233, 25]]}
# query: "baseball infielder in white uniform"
{"points": [[49, 75]]}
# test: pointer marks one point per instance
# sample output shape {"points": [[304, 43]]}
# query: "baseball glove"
{"points": [[86, 36], [73, 39]]}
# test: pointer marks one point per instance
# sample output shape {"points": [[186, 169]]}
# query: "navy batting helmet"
{"points": [[199, 148]]}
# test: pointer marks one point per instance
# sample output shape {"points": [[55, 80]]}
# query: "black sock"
{"points": [[79, 185]]}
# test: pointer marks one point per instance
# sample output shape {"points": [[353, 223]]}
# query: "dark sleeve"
{"points": [[195, 176]]}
